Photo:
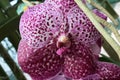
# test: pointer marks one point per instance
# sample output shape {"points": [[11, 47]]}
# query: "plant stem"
{"points": [[12, 65], [111, 41], [104, 11], [110, 26]]}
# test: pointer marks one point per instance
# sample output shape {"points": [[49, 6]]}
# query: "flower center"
{"points": [[63, 44]]}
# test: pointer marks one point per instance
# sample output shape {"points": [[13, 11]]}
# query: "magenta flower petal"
{"points": [[96, 48], [40, 24], [92, 77], [39, 63], [79, 62], [105, 71], [108, 71], [64, 5], [81, 27]]}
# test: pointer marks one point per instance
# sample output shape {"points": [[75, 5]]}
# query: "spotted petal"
{"points": [[79, 62], [40, 24], [39, 63], [105, 71]]}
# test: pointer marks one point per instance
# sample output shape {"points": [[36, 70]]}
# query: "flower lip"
{"points": [[63, 41]]}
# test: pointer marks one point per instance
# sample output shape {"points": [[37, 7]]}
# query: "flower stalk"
{"points": [[108, 25]]}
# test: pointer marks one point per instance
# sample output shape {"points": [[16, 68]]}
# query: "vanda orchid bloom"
{"points": [[58, 38]]}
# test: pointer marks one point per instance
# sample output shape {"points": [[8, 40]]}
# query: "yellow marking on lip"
{"points": [[25, 8]]}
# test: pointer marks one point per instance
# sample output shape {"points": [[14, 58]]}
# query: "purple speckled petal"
{"points": [[40, 24], [91, 77], [64, 5], [96, 48], [81, 27], [39, 63], [108, 71], [105, 71], [79, 62]]}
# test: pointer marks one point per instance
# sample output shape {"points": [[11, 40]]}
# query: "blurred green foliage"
{"points": [[113, 1]]}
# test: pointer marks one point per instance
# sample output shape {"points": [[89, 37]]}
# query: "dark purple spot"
{"points": [[53, 25], [48, 23], [44, 38], [78, 28], [50, 34]]}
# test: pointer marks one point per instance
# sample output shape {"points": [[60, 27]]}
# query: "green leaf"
{"points": [[9, 27], [113, 1], [107, 59]]}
